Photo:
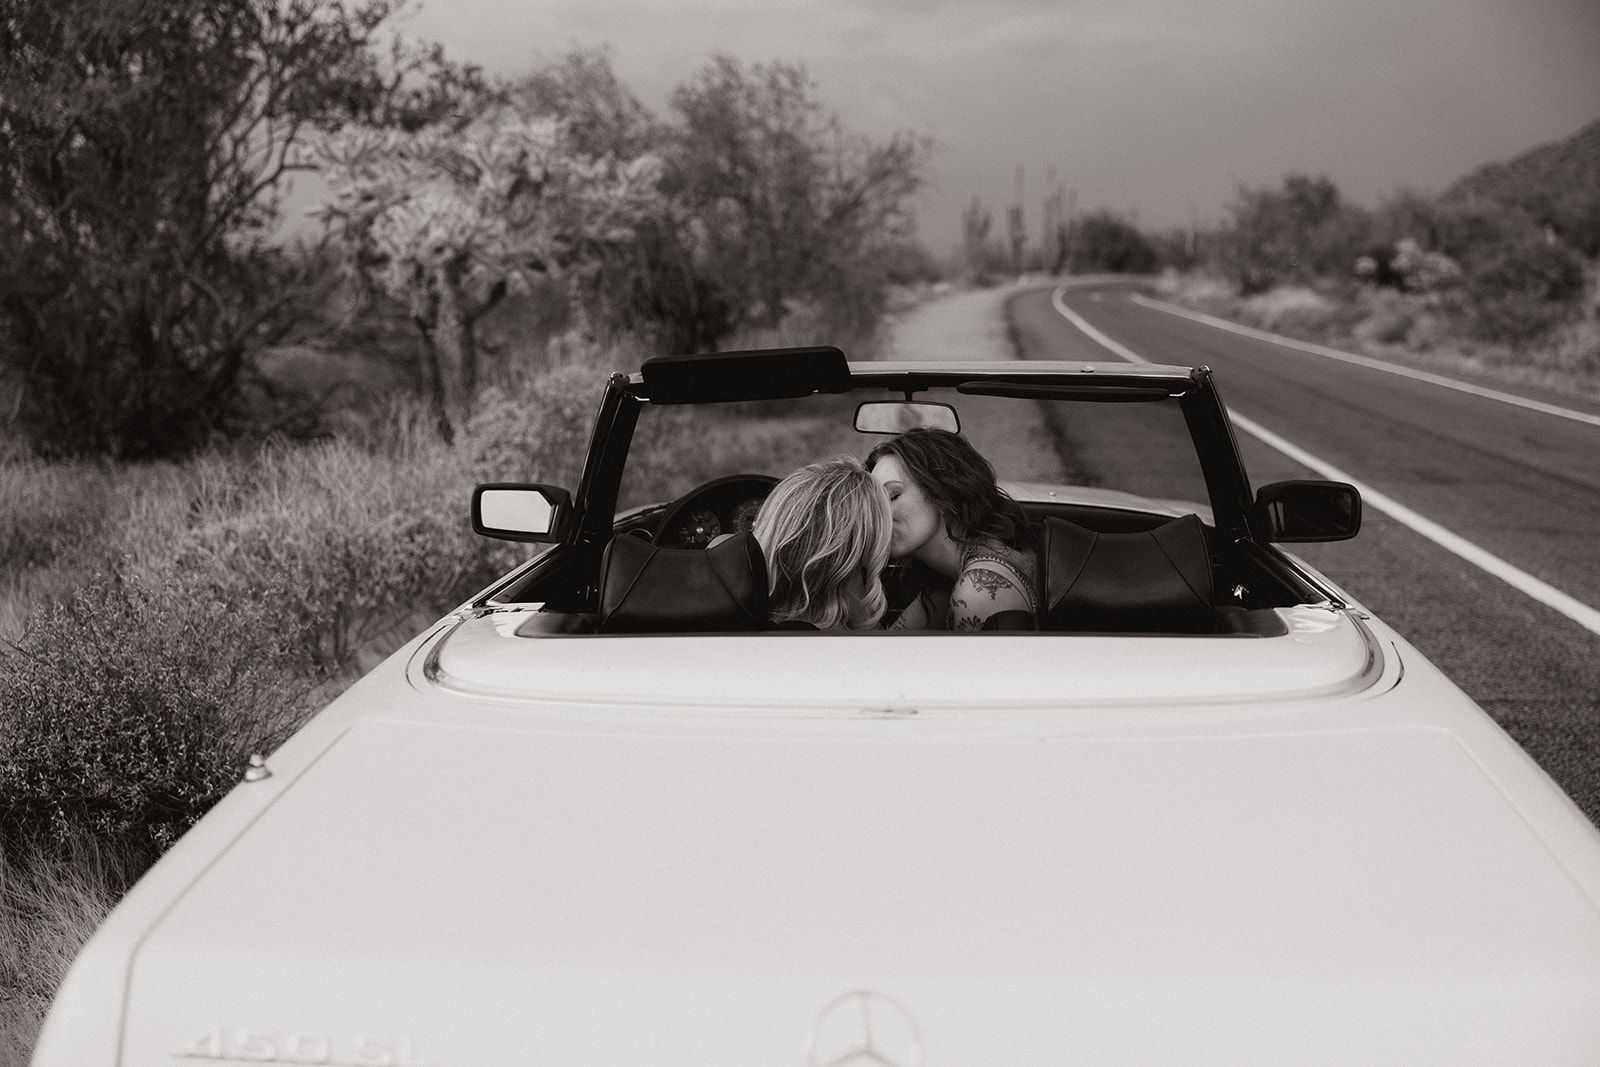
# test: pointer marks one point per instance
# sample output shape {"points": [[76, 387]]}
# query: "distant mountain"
{"points": [[1558, 184], [1559, 166]]}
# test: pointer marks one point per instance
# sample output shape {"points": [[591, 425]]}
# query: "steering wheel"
{"points": [[712, 508]]}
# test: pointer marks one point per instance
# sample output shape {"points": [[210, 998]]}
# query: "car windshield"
{"points": [[1141, 448]]}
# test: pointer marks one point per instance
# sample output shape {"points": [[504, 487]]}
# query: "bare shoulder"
{"points": [[985, 587], [989, 578]]}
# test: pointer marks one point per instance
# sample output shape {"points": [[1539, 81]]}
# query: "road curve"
{"points": [[1520, 484]]}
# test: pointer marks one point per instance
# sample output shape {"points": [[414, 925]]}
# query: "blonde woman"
{"points": [[825, 533]]}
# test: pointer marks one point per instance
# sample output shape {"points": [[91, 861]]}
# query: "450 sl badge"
{"points": [[246, 1045]]}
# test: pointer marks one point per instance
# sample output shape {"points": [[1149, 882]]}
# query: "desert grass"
{"points": [[49, 905], [1413, 329], [328, 547], [324, 546]]}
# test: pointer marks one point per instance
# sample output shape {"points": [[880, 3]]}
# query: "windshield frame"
{"points": [[1211, 432]]}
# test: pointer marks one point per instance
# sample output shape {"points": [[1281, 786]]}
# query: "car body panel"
{"points": [[517, 841], [647, 876], [1323, 653]]}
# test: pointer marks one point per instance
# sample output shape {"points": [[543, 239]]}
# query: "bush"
{"points": [[1107, 243], [1275, 308], [1522, 290], [1423, 271], [52, 511], [537, 429], [1390, 325], [127, 713], [331, 543], [1575, 350], [1294, 235], [329, 586], [1296, 311]]}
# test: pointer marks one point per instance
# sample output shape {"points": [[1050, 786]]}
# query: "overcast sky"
{"points": [[1155, 109]]}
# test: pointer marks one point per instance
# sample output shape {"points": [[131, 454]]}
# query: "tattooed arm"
{"points": [[984, 588], [925, 612]]}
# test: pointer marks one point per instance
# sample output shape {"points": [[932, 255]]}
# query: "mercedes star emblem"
{"points": [[864, 1029]]}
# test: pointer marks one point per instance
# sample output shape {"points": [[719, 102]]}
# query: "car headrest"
{"points": [[1152, 581], [646, 588]]}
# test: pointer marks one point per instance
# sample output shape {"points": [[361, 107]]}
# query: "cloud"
{"points": [[1160, 107]]}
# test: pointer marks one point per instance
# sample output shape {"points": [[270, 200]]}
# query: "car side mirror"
{"points": [[1300, 511], [894, 416], [513, 511]]}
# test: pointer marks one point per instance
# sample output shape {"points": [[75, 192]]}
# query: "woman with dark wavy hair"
{"points": [[950, 515]]}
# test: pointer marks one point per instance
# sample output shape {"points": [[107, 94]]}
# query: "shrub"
{"points": [[1575, 351], [1522, 290], [331, 543], [1197, 289], [1107, 243], [128, 713], [1421, 270], [1293, 235], [1299, 311], [537, 429], [52, 510], [1272, 308], [328, 586], [1387, 321]]}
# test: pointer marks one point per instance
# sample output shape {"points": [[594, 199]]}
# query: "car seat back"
{"points": [[1150, 581], [646, 588]]}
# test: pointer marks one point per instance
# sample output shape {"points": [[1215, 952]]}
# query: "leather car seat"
{"points": [[647, 588], [1150, 581]]}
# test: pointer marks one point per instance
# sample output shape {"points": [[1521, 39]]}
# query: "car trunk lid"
{"points": [[608, 889]]}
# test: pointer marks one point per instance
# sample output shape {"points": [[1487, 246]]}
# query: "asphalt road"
{"points": [[1521, 485]]}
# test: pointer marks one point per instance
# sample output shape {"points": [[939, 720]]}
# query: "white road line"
{"points": [[1058, 298], [1367, 361], [1546, 594], [1542, 591]]}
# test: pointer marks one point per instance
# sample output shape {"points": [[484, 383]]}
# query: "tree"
{"points": [[1108, 243], [602, 116], [646, 285], [976, 252], [774, 200], [142, 143], [452, 217], [1293, 234], [1523, 287]]}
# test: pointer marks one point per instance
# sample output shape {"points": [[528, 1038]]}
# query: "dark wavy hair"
{"points": [[959, 483]]}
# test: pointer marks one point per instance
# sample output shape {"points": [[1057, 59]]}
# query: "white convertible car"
{"points": [[1202, 809]]}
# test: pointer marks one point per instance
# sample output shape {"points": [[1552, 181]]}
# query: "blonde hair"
{"points": [[821, 527]]}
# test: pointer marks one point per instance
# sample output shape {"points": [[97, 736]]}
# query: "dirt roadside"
{"points": [[972, 325], [962, 324]]}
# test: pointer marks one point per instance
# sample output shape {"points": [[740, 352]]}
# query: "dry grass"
{"points": [[332, 544], [340, 539], [1409, 328], [49, 904]]}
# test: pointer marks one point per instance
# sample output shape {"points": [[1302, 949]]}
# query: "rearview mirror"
{"points": [[513, 511], [894, 416], [1300, 511]]}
